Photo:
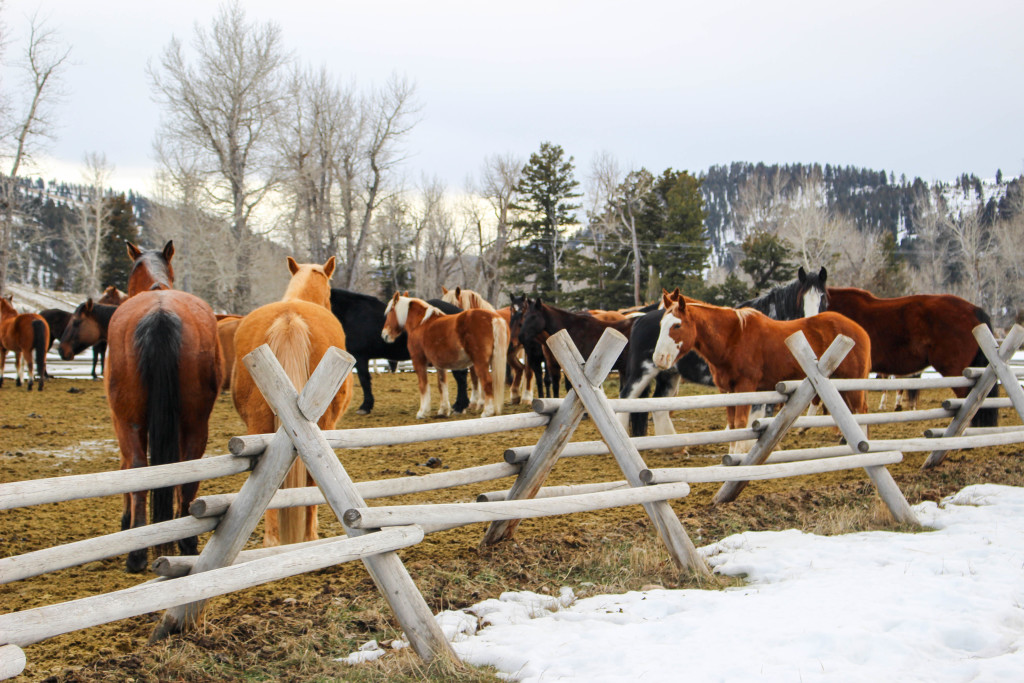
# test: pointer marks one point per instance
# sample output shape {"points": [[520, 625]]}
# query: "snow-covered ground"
{"points": [[942, 605]]}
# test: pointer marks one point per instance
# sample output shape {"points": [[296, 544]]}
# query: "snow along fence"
{"points": [[185, 582]]}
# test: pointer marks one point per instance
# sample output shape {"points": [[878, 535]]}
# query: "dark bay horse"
{"points": [[476, 338], [362, 317], [746, 349], [909, 333], [299, 329], [87, 327], [802, 297], [164, 377], [541, 320], [23, 333]]}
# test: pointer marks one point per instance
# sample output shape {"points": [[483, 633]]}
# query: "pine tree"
{"points": [[547, 188], [116, 266], [672, 229], [767, 260]]}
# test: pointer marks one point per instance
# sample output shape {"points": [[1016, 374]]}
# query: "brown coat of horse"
{"points": [[746, 349], [163, 379], [226, 327], [23, 333], [909, 333], [299, 330]]}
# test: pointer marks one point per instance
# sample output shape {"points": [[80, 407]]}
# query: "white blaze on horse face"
{"points": [[667, 349], [812, 302], [401, 315]]}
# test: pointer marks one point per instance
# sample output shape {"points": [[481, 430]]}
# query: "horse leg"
{"points": [[192, 447], [444, 408], [738, 419], [666, 384], [424, 386], [17, 368], [513, 379], [363, 371], [483, 373], [476, 400], [132, 442], [27, 353], [3, 364]]}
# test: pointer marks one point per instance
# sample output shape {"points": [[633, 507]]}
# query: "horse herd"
{"points": [[169, 355]]}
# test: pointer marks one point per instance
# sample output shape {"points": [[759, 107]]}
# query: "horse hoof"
{"points": [[137, 562], [362, 411], [420, 416]]}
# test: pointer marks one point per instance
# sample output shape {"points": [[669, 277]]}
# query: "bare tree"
{"points": [[87, 234], [222, 105], [816, 233], [498, 181], [437, 243], [975, 255], [25, 124], [365, 166]]}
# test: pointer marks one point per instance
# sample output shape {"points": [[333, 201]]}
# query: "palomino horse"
{"points": [[909, 333], [362, 317], [87, 327], [476, 338], [299, 330], [165, 372], [746, 349], [802, 297], [516, 376], [22, 333], [226, 327]]}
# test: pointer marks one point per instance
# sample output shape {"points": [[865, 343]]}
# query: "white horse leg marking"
{"points": [[424, 410], [663, 419], [444, 407]]}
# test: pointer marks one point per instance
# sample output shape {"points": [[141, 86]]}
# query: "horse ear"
{"points": [[329, 267], [458, 292], [292, 265], [822, 275], [444, 290], [666, 298], [88, 305], [676, 294], [133, 251], [802, 274], [169, 251]]}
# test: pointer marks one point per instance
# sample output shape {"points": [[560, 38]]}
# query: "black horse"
{"points": [[362, 317], [807, 294]]}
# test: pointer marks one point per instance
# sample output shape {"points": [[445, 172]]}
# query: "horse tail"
{"points": [[290, 339], [41, 343], [499, 362], [157, 342]]}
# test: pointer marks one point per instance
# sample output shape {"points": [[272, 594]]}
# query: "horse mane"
{"points": [[158, 268]]}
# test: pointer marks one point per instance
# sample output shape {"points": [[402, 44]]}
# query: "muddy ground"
{"points": [[292, 629]]}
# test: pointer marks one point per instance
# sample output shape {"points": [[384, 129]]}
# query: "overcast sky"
{"points": [[929, 88]]}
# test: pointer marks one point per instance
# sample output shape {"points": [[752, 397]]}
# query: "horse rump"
{"points": [[158, 341]]}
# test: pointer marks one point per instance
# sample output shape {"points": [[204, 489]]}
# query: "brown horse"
{"points": [[226, 327], [164, 376], [299, 330], [476, 338], [909, 333], [87, 327], [746, 349], [22, 333]]}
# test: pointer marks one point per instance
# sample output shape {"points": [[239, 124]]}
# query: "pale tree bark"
{"points": [[222, 103], [816, 233], [760, 205], [975, 253], [365, 167], [437, 241], [858, 259], [87, 234], [24, 125]]}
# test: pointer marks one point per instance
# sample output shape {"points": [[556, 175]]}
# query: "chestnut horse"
{"points": [[299, 330], [87, 327], [909, 333], [165, 372], [226, 327], [22, 333], [746, 349], [477, 338]]}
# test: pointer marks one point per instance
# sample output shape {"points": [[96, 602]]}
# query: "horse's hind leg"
{"points": [[28, 366], [444, 406]]}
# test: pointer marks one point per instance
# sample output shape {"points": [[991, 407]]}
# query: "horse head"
{"points": [[677, 334], [395, 315], [150, 267], [813, 297], [310, 282], [533, 321], [7, 306], [82, 331], [516, 307]]}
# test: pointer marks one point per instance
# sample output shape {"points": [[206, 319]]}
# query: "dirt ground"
{"points": [[292, 629]]}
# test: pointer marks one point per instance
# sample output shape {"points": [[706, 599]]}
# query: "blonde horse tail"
{"points": [[289, 339], [499, 358]]}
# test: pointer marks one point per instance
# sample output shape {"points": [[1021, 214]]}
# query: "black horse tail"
{"points": [[986, 417], [158, 346], [41, 343]]}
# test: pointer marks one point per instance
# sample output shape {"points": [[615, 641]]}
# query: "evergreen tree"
{"points": [[729, 293], [547, 189], [767, 260], [671, 228], [891, 278], [116, 266]]}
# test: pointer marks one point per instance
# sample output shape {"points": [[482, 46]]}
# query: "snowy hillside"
{"points": [[29, 299]]}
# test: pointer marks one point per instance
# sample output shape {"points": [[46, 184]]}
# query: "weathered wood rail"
{"points": [[374, 533]]}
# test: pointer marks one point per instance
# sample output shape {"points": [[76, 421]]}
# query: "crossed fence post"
{"points": [[997, 370], [298, 414]]}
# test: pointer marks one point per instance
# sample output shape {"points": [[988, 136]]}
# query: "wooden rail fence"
{"points": [[373, 534]]}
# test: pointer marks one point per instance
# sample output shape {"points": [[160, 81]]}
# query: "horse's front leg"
{"points": [[424, 387], [444, 407], [29, 369], [363, 372], [483, 373], [18, 361], [133, 454], [738, 417], [3, 364]]}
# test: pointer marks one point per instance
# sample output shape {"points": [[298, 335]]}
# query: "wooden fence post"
{"points": [[794, 408], [1014, 338], [552, 442], [665, 520]]}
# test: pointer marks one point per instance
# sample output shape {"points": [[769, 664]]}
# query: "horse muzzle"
{"points": [[663, 361]]}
